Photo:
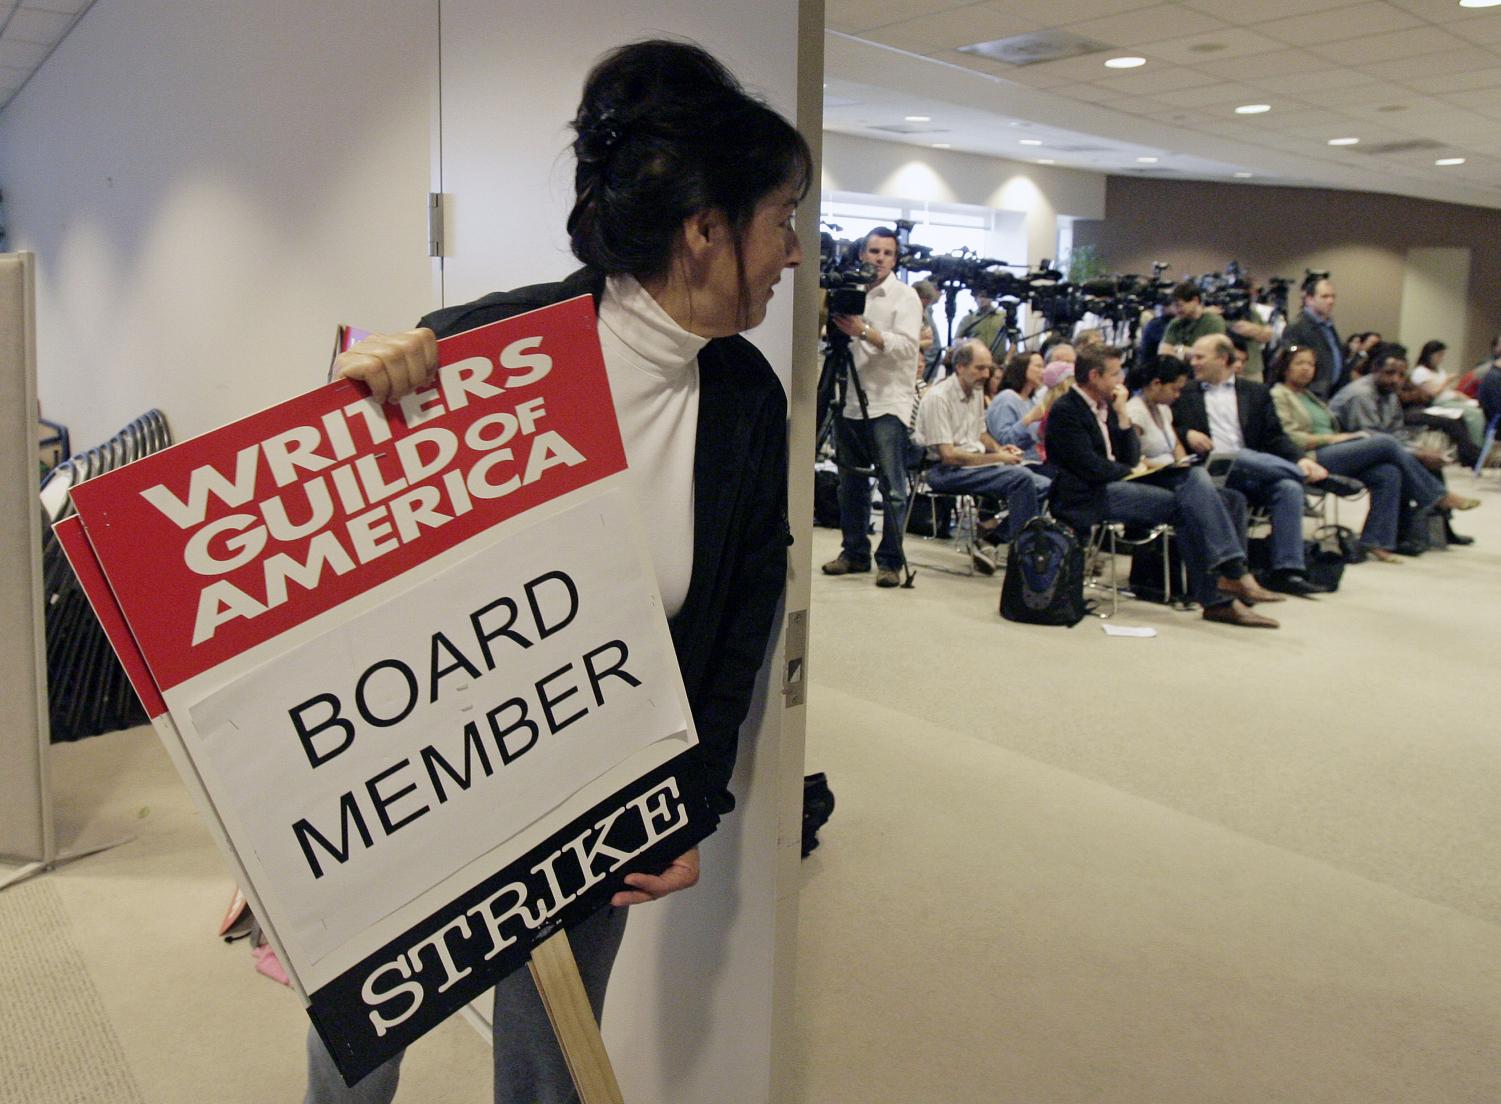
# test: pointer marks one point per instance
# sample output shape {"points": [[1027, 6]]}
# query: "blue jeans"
{"points": [[1392, 474], [881, 443], [1022, 489], [1277, 484], [529, 1065], [1208, 534]]}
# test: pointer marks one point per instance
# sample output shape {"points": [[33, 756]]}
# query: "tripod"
{"points": [[835, 378]]}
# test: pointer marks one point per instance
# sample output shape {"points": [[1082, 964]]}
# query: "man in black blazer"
{"points": [[1224, 415], [1091, 441]]}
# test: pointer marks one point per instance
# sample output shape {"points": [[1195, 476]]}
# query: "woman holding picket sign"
{"points": [[685, 190]]}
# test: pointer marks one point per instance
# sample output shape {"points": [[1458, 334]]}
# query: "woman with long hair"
{"points": [[1393, 475], [685, 187]]}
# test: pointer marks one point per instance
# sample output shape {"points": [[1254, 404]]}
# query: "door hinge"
{"points": [[436, 247], [795, 651]]}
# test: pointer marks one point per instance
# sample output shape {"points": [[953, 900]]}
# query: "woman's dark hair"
{"points": [[664, 130], [1168, 369], [1014, 375], [1276, 372], [1426, 354]]}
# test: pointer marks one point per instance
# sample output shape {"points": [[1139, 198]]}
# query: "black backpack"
{"points": [[1044, 576]]}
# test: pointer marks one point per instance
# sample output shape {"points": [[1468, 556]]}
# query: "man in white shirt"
{"points": [[1221, 415], [951, 425], [874, 433]]}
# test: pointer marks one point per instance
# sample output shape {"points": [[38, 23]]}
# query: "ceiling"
{"points": [[1389, 72], [1413, 80], [29, 31]]}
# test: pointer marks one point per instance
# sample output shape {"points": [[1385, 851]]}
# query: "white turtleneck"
{"points": [[652, 363]]}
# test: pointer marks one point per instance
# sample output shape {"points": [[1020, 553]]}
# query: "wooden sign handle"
{"points": [[556, 975]]}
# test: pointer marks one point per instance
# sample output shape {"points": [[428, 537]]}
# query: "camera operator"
{"points": [[1192, 323], [1315, 329], [930, 344], [984, 323], [885, 345]]}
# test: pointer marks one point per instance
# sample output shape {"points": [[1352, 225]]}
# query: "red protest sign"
{"points": [[227, 540]]}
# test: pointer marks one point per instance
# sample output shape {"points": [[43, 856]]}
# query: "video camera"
{"points": [[842, 273]]}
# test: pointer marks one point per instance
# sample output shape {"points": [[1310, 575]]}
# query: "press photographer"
{"points": [[871, 429]]}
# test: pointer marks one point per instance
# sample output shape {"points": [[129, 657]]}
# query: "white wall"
{"points": [[209, 189], [895, 169]]}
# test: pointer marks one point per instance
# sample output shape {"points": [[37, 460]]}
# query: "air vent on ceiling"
{"points": [[1407, 145], [1030, 49], [1081, 149], [910, 128], [1208, 47]]}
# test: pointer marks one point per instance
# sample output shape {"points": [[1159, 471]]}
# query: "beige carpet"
{"points": [[1217, 865], [56, 1041]]}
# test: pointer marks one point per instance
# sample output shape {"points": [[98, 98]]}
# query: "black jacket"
{"points": [[1258, 418], [1329, 374], [1077, 450], [740, 532]]}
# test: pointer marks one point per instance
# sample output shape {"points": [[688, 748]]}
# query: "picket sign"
{"points": [[429, 725]]}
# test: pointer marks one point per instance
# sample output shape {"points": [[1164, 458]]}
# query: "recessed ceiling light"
{"points": [[1478, 3], [1046, 161], [1125, 63], [919, 118], [1031, 141], [942, 145], [1452, 160], [1344, 141], [1243, 176], [1147, 160], [1252, 109]]}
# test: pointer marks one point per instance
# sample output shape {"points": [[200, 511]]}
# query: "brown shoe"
{"points": [[888, 577], [1452, 501], [1248, 590], [841, 566], [1236, 612]]}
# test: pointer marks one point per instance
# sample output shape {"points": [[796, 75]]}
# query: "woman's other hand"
{"points": [[682, 873], [391, 365]]}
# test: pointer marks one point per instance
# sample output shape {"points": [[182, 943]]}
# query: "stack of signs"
{"points": [[412, 662]]}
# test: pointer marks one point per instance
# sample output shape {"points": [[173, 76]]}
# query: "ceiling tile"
{"points": [[1281, 63], [1142, 82], [1206, 49], [1059, 13], [1230, 95], [1476, 98], [68, 7], [24, 54], [1368, 49], [1147, 25], [1139, 105], [1373, 17], [1413, 106], [1486, 30], [1254, 14], [1088, 93], [950, 29], [31, 25], [1455, 82], [868, 14]]}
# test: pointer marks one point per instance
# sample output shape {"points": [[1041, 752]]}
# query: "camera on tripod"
{"points": [[843, 274]]}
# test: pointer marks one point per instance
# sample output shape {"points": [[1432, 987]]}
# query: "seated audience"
{"points": [[1150, 411], [1057, 378], [1432, 392], [1394, 477], [929, 344], [967, 460], [1095, 447], [1015, 410], [1221, 416], [1370, 403], [1489, 394]]}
